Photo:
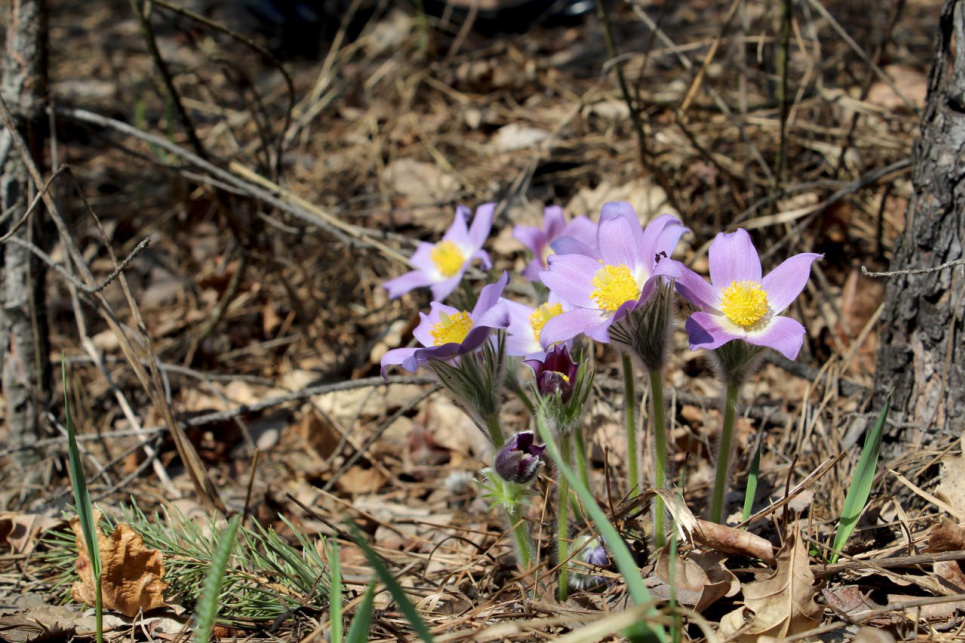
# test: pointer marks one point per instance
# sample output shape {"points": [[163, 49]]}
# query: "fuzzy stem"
{"points": [[581, 456], [563, 521], [522, 539], [659, 422], [633, 464], [723, 452], [495, 431]]}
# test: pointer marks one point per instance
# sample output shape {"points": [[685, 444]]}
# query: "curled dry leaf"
{"points": [[945, 536], [131, 575], [700, 579], [733, 541], [778, 606]]}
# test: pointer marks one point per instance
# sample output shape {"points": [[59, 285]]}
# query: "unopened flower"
{"points": [[593, 553], [555, 374], [520, 458], [441, 265], [526, 326], [618, 275], [739, 303], [447, 333], [564, 387], [538, 239]]}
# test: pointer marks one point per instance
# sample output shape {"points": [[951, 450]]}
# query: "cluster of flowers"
{"points": [[614, 282]]}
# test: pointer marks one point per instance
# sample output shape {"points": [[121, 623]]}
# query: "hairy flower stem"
{"points": [[659, 422], [723, 452], [495, 430], [522, 539], [563, 521], [633, 461], [580, 446]]}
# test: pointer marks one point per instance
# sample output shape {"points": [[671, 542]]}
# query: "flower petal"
{"points": [[733, 257], [532, 237], [482, 223], [488, 297], [574, 246], [695, 289], [617, 244], [404, 357], [571, 278], [404, 283], [568, 325], [442, 289], [704, 332], [783, 334], [785, 283], [457, 232], [553, 221], [660, 238], [582, 229]]}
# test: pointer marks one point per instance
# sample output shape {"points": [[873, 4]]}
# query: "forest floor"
{"points": [[259, 302]]}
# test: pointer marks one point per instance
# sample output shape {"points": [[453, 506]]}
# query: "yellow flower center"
{"points": [[542, 314], [744, 302], [451, 329], [447, 257], [615, 286]]}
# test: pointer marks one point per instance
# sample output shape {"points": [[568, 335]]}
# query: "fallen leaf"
{"points": [[781, 605], [131, 574], [945, 536], [873, 635], [848, 599], [700, 579], [951, 487], [22, 531], [733, 541]]}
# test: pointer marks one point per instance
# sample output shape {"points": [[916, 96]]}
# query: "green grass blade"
{"points": [[398, 594], [864, 477], [207, 608], [359, 631], [752, 477], [614, 541], [85, 508], [335, 592]]}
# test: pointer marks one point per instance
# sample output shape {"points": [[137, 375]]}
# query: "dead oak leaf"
{"points": [[700, 579], [733, 541], [131, 575], [781, 605]]}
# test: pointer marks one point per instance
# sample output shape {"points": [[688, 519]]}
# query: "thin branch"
{"points": [[917, 271], [90, 290]]}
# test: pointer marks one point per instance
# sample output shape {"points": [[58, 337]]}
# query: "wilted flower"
{"points": [[538, 239], [447, 333], [621, 273], [441, 265], [520, 459], [738, 303], [526, 325]]}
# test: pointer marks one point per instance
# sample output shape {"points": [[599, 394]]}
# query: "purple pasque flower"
{"points": [[556, 372], [602, 283], [520, 458], [538, 239], [526, 325], [440, 266], [739, 303], [446, 332]]}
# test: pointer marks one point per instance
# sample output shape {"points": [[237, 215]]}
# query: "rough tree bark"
{"points": [[23, 329], [922, 351]]}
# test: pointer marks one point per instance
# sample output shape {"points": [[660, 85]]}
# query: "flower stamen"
{"points": [[451, 329], [744, 303], [542, 314], [448, 258], [615, 286]]}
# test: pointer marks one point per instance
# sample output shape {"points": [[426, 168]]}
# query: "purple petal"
{"points": [[442, 289], [489, 296], [783, 334], [623, 211], [785, 283], [617, 244], [581, 229], [423, 332], [574, 246], [495, 317], [532, 269], [457, 232], [404, 283], [571, 278], [518, 318], [523, 346], [404, 357], [532, 237], [733, 257], [482, 223], [422, 258], [705, 332], [661, 236], [568, 325], [553, 221], [695, 289]]}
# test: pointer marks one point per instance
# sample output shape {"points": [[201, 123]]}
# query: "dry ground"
{"points": [[268, 317]]}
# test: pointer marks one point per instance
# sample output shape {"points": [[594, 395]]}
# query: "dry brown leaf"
{"points": [[951, 487], [873, 635], [733, 541], [131, 574], [945, 536], [780, 605], [700, 579], [848, 599], [22, 531]]}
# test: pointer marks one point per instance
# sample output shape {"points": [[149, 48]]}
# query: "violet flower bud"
{"points": [[556, 373], [520, 459]]}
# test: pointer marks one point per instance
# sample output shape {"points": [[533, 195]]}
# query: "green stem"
{"points": [[99, 610], [495, 431], [581, 456], [659, 422], [563, 522], [522, 540], [633, 463], [723, 453]]}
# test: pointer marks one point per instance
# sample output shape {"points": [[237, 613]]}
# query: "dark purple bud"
{"points": [[519, 459], [555, 373]]}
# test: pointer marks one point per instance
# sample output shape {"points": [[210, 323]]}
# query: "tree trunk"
{"points": [[922, 353], [23, 329]]}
